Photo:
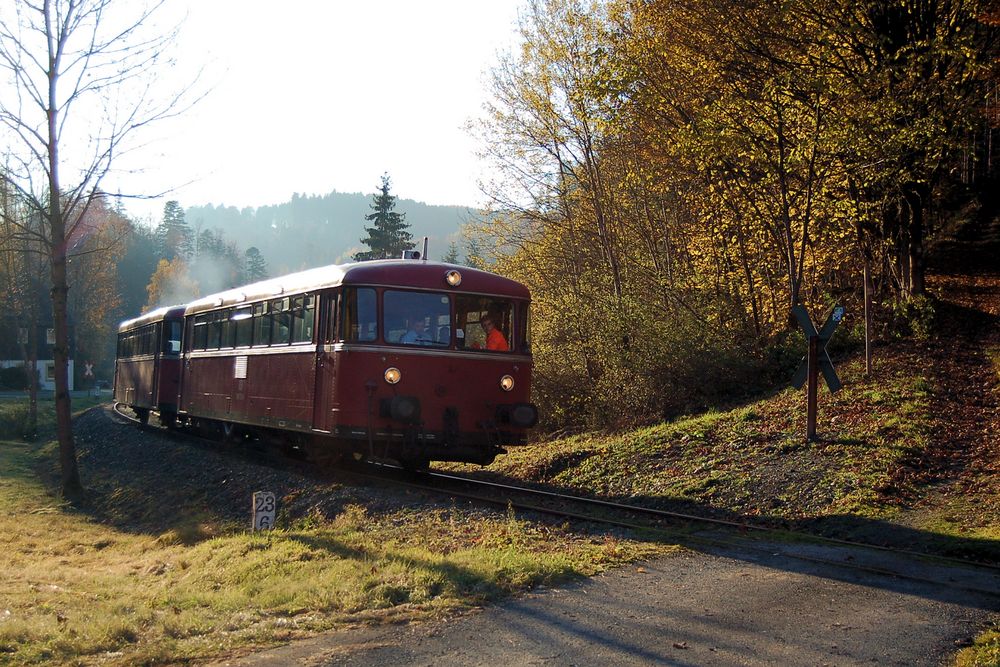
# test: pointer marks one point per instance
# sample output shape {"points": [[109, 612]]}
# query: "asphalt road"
{"points": [[777, 606]]}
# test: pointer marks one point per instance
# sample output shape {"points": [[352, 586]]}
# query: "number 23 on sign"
{"points": [[264, 510]]}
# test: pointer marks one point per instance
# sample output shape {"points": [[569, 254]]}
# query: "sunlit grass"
{"points": [[984, 652], [76, 590]]}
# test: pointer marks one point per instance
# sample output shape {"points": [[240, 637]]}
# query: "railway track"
{"points": [[721, 536]]}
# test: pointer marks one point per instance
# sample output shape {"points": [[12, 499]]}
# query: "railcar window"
{"points": [[225, 331], [146, 340], [417, 318], [261, 325], [330, 311], [483, 323], [172, 337], [200, 332], [282, 317], [242, 322], [214, 331], [359, 315], [524, 327], [304, 311]]}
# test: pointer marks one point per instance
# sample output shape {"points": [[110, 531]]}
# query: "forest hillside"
{"points": [[315, 230]]}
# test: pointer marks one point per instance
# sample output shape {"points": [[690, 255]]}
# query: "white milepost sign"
{"points": [[264, 510]]}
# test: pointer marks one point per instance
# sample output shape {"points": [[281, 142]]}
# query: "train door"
{"points": [[157, 346], [325, 367]]}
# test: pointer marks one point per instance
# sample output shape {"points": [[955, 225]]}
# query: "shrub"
{"points": [[13, 378], [13, 420], [916, 317]]}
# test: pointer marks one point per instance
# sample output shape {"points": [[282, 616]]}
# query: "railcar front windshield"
{"points": [[417, 318], [432, 319]]}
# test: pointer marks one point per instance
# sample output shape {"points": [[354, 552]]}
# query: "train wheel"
{"points": [[230, 433], [168, 419], [143, 415], [322, 453], [416, 465]]}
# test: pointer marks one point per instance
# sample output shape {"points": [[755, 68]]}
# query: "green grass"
{"points": [[754, 459], [14, 414], [76, 590]]}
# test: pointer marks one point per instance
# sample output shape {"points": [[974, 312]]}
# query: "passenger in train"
{"points": [[495, 339], [417, 333]]}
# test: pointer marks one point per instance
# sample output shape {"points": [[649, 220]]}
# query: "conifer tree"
{"points": [[451, 257], [173, 234], [256, 267], [388, 237]]}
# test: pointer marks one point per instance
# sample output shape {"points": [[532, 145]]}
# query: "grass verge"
{"points": [[78, 591]]}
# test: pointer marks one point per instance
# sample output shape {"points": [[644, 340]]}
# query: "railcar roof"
{"points": [[153, 316], [386, 272]]}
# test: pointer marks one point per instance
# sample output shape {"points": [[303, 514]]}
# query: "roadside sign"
{"points": [[264, 510], [817, 360]]}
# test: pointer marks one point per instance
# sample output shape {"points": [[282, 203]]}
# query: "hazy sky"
{"points": [[312, 96]]}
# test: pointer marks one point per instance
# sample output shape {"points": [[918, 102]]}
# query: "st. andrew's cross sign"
{"points": [[817, 361]]}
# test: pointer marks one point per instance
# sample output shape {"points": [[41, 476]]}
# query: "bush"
{"points": [[14, 377], [13, 420], [916, 317], [624, 365]]}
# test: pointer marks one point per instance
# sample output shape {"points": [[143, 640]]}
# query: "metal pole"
{"points": [[811, 387], [868, 315]]}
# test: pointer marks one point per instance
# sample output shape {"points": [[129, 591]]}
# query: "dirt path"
{"points": [[724, 608]]}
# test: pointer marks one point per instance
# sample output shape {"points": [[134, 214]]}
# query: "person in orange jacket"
{"points": [[495, 339]]}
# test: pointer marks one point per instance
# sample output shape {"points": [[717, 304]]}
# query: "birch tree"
{"points": [[77, 83]]}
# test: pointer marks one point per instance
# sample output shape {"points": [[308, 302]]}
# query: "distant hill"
{"points": [[315, 230]]}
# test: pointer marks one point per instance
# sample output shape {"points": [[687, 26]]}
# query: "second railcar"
{"points": [[147, 366]]}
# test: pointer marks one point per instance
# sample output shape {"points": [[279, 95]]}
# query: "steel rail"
{"points": [[710, 520], [742, 544]]}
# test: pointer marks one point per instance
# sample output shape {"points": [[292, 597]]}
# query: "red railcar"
{"points": [[147, 368], [403, 359]]}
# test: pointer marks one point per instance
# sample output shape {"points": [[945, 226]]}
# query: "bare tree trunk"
{"points": [[72, 488], [915, 246]]}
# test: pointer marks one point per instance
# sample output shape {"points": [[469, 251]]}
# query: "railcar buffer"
{"points": [[817, 360]]}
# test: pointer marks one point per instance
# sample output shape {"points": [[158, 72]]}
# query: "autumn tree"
{"points": [[671, 177], [97, 247], [387, 237], [78, 83], [170, 284], [22, 280]]}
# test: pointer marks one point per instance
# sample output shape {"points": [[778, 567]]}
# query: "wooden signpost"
{"points": [[817, 361]]}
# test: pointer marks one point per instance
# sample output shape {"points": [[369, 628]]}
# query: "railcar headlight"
{"points": [[453, 278], [393, 375], [507, 383]]}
